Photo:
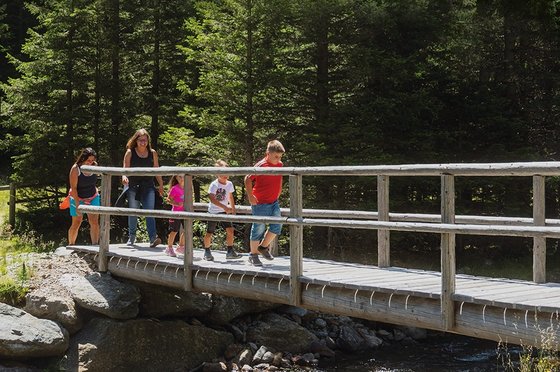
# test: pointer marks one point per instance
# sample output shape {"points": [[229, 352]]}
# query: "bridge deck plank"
{"points": [[507, 293]]}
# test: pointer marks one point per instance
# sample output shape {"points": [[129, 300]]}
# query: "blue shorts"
{"points": [[265, 210], [74, 213]]}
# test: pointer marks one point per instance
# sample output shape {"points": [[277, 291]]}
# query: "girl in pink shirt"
{"points": [[176, 199]]}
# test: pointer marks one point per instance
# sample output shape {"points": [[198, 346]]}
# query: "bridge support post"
{"points": [[383, 235], [12, 213], [539, 243], [296, 238], [188, 205], [104, 224], [447, 252]]}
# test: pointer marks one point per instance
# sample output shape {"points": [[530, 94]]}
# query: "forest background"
{"points": [[339, 82]]}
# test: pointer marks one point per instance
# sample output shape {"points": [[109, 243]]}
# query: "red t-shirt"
{"points": [[266, 188]]}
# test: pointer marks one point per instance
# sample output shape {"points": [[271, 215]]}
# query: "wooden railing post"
{"points": [[189, 207], [447, 252], [383, 235], [539, 244], [12, 213], [296, 238], [104, 224]]}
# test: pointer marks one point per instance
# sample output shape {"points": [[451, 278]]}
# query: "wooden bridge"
{"points": [[512, 311]]}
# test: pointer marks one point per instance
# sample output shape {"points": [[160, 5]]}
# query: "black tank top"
{"points": [[137, 161], [86, 185]]}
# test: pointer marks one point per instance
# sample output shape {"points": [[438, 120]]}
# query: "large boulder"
{"points": [[143, 345], [225, 309], [24, 336], [158, 301], [59, 307], [280, 334], [101, 293]]}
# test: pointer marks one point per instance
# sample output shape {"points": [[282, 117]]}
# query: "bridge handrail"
{"points": [[447, 224], [551, 168], [492, 230]]}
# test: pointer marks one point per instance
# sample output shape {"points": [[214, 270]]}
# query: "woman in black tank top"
{"points": [[141, 189], [83, 190]]}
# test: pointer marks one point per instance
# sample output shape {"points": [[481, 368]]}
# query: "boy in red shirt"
{"points": [[263, 192]]}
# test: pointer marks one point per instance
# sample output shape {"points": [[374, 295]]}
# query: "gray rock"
{"points": [[62, 251], [58, 307], [24, 336], [268, 357], [258, 357], [293, 310], [370, 339], [415, 333], [398, 334], [245, 357], [226, 309], [143, 345], [280, 333], [103, 294], [350, 340], [320, 323], [158, 301], [214, 367]]}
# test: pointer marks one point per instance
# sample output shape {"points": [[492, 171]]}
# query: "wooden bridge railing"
{"points": [[447, 224]]}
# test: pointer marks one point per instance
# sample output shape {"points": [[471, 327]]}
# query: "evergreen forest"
{"points": [[338, 82]]}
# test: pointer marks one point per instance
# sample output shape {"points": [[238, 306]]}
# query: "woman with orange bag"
{"points": [[83, 189]]}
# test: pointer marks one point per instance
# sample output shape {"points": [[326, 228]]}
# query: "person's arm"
{"points": [[73, 178], [126, 164], [217, 203], [158, 178], [249, 190]]}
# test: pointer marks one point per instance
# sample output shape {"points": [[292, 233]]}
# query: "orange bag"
{"points": [[65, 204]]}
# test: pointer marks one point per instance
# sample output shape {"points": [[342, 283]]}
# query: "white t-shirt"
{"points": [[222, 193]]}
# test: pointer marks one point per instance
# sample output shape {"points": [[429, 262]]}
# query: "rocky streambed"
{"points": [[77, 319]]}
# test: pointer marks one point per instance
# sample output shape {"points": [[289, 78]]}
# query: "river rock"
{"points": [[101, 293], [349, 339], [279, 333], [245, 357], [158, 301], [24, 336], [143, 345], [414, 332], [59, 307], [225, 309]]}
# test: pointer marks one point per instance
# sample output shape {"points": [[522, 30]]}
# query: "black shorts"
{"points": [[212, 225], [174, 225]]}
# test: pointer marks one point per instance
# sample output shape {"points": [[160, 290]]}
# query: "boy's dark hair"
{"points": [[275, 146]]}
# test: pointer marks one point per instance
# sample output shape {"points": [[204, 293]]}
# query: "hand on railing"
{"points": [[124, 180]]}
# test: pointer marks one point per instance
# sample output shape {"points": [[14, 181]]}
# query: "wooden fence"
{"points": [[447, 224]]}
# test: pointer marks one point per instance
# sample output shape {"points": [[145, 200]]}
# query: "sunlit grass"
{"points": [[14, 272]]}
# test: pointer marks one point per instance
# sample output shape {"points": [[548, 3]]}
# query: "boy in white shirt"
{"points": [[220, 193]]}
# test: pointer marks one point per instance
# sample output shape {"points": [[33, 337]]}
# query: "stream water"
{"points": [[440, 351]]}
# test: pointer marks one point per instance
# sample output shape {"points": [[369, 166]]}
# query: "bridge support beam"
{"points": [[188, 205], [383, 235], [539, 243], [296, 238], [104, 224], [447, 253]]}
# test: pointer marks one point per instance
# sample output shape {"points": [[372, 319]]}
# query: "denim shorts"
{"points": [[265, 210]]}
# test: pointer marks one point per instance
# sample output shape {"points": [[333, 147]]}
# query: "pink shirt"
{"points": [[177, 195]]}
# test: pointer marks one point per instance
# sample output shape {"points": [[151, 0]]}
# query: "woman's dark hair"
{"points": [[85, 154]]}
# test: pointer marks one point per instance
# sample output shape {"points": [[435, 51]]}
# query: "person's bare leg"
{"points": [[73, 230], [207, 240], [229, 236], [268, 238], [171, 238], [93, 220], [254, 245]]}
